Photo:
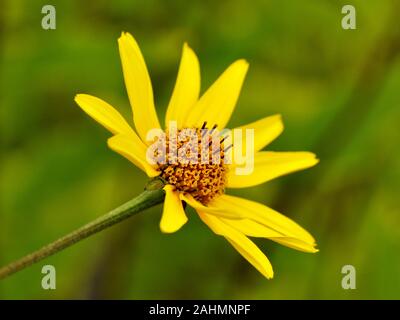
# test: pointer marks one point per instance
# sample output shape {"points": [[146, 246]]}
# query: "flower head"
{"points": [[188, 168]]}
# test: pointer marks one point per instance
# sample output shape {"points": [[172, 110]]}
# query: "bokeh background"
{"points": [[338, 93]]}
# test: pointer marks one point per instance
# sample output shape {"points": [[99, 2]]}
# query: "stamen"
{"points": [[216, 151], [203, 179], [213, 128], [228, 147]]}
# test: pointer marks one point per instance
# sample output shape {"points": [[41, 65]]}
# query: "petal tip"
{"points": [[312, 157], [279, 120], [269, 274], [168, 228], [121, 36], [125, 36], [78, 96], [188, 48], [316, 160], [243, 62]]}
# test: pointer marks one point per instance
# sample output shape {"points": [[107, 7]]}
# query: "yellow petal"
{"points": [[295, 244], [134, 150], [265, 131], [218, 102], [270, 165], [103, 113], [254, 229], [251, 228], [263, 215], [173, 217], [241, 243], [138, 85], [187, 88], [210, 208]]}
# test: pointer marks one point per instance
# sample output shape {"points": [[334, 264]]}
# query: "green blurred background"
{"points": [[338, 92]]}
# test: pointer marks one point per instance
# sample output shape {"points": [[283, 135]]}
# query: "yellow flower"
{"points": [[202, 187]]}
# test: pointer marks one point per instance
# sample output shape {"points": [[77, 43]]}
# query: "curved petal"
{"points": [[218, 211], [265, 131], [241, 243], [173, 217], [295, 244], [187, 88], [263, 215], [251, 228], [269, 165], [103, 113], [254, 229], [138, 85], [218, 102], [133, 150]]}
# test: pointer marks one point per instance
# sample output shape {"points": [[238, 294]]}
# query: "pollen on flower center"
{"points": [[195, 163]]}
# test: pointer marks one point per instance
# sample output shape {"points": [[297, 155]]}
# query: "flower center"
{"points": [[195, 162]]}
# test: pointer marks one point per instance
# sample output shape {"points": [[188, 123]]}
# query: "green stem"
{"points": [[145, 200]]}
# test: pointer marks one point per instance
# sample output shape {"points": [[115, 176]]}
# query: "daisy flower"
{"points": [[203, 185]]}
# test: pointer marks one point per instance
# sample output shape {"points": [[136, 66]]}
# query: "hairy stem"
{"points": [[152, 196]]}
